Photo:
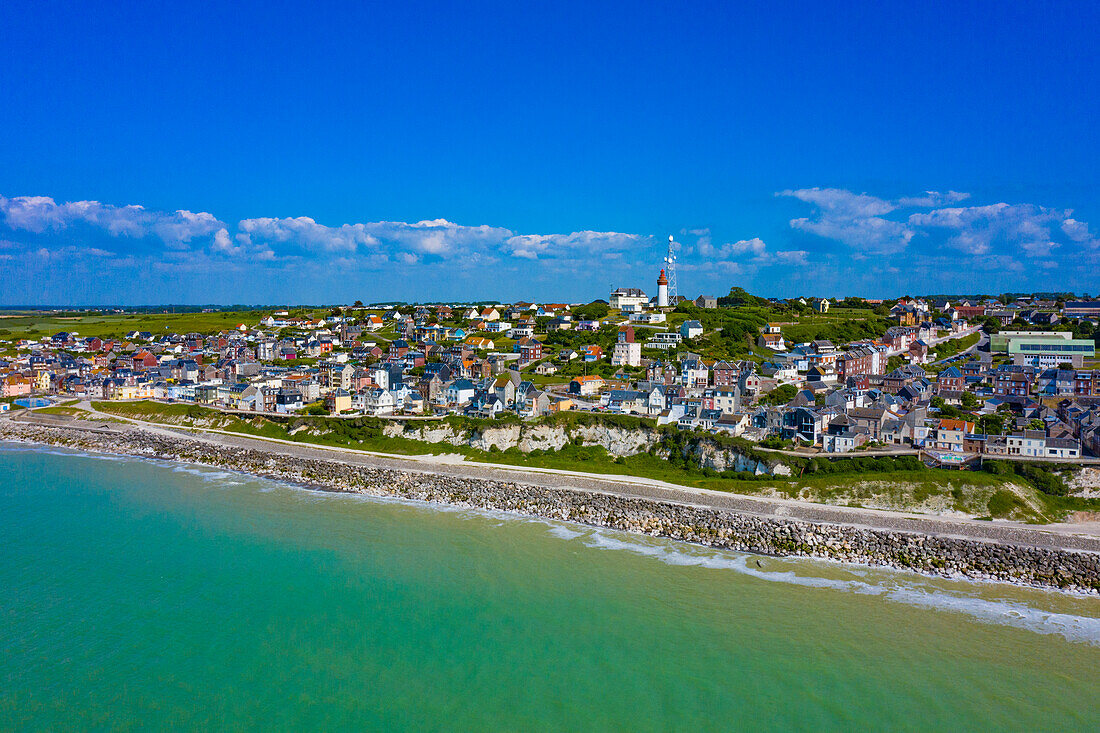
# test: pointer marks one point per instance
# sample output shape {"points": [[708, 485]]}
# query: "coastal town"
{"points": [[953, 380]]}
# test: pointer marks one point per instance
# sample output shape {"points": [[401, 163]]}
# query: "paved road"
{"points": [[984, 339]]}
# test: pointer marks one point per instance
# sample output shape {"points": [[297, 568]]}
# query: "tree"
{"points": [[781, 395], [969, 400], [741, 297], [358, 304], [594, 311], [991, 424]]}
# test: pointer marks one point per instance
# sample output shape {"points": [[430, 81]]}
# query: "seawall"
{"points": [[928, 554]]}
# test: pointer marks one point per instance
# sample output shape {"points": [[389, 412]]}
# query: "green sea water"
{"points": [[142, 595]]}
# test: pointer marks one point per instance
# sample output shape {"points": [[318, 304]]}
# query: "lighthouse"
{"points": [[662, 290]]}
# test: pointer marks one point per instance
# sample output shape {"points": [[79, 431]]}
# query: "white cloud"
{"points": [[754, 246], [863, 223], [1078, 231], [189, 236], [931, 199], [792, 256], [40, 213], [746, 256], [840, 202], [980, 229], [307, 234], [535, 246], [856, 220]]}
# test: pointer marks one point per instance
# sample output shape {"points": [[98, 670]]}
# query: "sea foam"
{"points": [[894, 585]]}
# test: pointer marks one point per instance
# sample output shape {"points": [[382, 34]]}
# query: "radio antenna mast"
{"points": [[670, 271]]}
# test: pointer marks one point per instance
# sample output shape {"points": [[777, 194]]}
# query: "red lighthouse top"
{"points": [[661, 279]]}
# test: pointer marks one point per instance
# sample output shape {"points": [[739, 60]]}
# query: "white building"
{"points": [[627, 299], [651, 317], [691, 329], [627, 353], [664, 340]]}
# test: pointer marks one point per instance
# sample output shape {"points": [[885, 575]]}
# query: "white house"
{"points": [[691, 329], [460, 392], [377, 401], [664, 340]]}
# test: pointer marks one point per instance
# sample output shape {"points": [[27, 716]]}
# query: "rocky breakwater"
{"points": [[933, 555]]}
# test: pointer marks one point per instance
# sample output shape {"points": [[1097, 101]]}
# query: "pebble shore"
{"points": [[931, 555]]}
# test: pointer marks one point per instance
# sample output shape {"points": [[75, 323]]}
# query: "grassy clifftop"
{"points": [[1011, 491]]}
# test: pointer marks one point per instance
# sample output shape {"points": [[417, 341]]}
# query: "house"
{"points": [[585, 386], [591, 353], [143, 359], [377, 401], [480, 343], [504, 388], [1058, 382], [732, 423], [725, 374], [803, 424], [773, 341], [665, 340], [724, 399], [918, 352], [398, 348], [862, 360], [546, 369], [1063, 448], [627, 299], [841, 436], [287, 400], [648, 317], [338, 401], [950, 380], [530, 401], [691, 329], [1012, 381], [529, 351], [626, 401], [460, 391], [706, 301], [949, 435], [821, 306], [873, 419], [694, 372], [1027, 443], [523, 329], [627, 351]]}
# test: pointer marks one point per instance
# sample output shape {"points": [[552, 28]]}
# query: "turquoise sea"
{"points": [[145, 595]]}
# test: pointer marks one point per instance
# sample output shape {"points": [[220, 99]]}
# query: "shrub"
{"points": [[1003, 502]]}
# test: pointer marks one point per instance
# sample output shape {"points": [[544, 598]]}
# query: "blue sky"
{"points": [[269, 153]]}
